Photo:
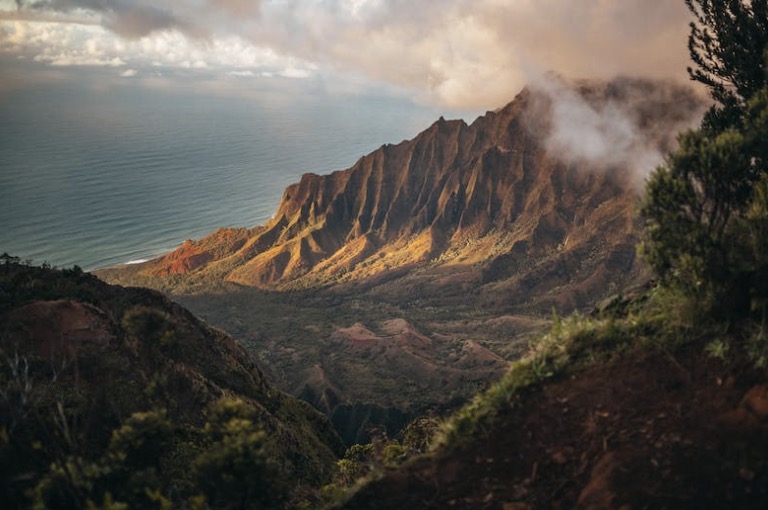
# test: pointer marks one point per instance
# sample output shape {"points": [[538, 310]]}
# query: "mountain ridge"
{"points": [[457, 197]]}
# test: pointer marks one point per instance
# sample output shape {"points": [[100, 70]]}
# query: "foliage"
{"points": [[21, 283], [136, 417], [367, 460], [236, 470], [704, 209], [231, 467], [418, 435], [363, 462], [125, 475], [153, 329], [727, 43], [718, 349]]}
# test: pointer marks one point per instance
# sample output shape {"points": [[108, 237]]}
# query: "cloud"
{"points": [[480, 52], [128, 73], [242, 74], [90, 44], [461, 53], [293, 72], [626, 124], [130, 19], [237, 8], [70, 58]]}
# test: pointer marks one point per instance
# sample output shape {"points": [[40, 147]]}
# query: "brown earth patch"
{"points": [[59, 328], [644, 432]]}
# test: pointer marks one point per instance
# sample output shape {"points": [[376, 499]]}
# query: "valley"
{"points": [[408, 282], [561, 304]]}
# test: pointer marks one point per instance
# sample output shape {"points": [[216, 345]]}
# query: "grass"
{"points": [[660, 319]]}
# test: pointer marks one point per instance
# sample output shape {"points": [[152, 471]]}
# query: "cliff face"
{"points": [[492, 195]]}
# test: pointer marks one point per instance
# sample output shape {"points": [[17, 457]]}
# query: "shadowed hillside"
{"points": [[113, 393]]}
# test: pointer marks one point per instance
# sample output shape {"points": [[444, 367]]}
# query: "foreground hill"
{"points": [[118, 393], [643, 409]]}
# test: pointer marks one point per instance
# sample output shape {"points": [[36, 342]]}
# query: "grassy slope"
{"points": [[637, 409]]}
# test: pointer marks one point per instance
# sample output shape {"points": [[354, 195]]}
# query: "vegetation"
{"points": [[364, 462], [228, 466], [118, 398], [705, 210]]}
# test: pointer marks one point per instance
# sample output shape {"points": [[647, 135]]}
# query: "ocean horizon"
{"points": [[99, 178]]}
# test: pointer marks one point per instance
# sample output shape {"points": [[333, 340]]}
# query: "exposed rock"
{"points": [[756, 402], [487, 204]]}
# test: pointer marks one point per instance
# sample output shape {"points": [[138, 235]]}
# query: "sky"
{"points": [[457, 54]]}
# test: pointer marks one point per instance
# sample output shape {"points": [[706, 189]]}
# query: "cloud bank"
{"points": [[460, 53], [624, 126]]}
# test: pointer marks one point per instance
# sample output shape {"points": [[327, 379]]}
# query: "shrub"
{"points": [[704, 210]]}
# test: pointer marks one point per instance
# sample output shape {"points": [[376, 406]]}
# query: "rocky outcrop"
{"points": [[192, 255]]}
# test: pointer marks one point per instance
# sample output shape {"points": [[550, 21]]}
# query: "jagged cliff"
{"points": [[490, 204]]}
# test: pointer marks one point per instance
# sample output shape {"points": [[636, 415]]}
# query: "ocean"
{"points": [[96, 178]]}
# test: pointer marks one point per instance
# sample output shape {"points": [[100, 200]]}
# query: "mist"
{"points": [[624, 125]]}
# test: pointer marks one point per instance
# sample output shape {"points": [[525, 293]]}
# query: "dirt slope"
{"points": [[650, 431]]}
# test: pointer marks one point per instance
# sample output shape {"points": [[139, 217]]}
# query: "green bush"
{"points": [[236, 469], [125, 476], [705, 213], [705, 208]]}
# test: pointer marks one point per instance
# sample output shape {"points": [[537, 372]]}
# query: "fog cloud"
{"points": [[462, 53], [624, 125]]}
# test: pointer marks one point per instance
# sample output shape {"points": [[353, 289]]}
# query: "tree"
{"points": [[700, 206], [727, 44], [126, 475], [237, 470]]}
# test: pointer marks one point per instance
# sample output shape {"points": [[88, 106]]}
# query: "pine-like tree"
{"points": [[696, 209], [727, 44]]}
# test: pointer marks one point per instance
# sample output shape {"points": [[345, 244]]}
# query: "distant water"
{"points": [[100, 179]]}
